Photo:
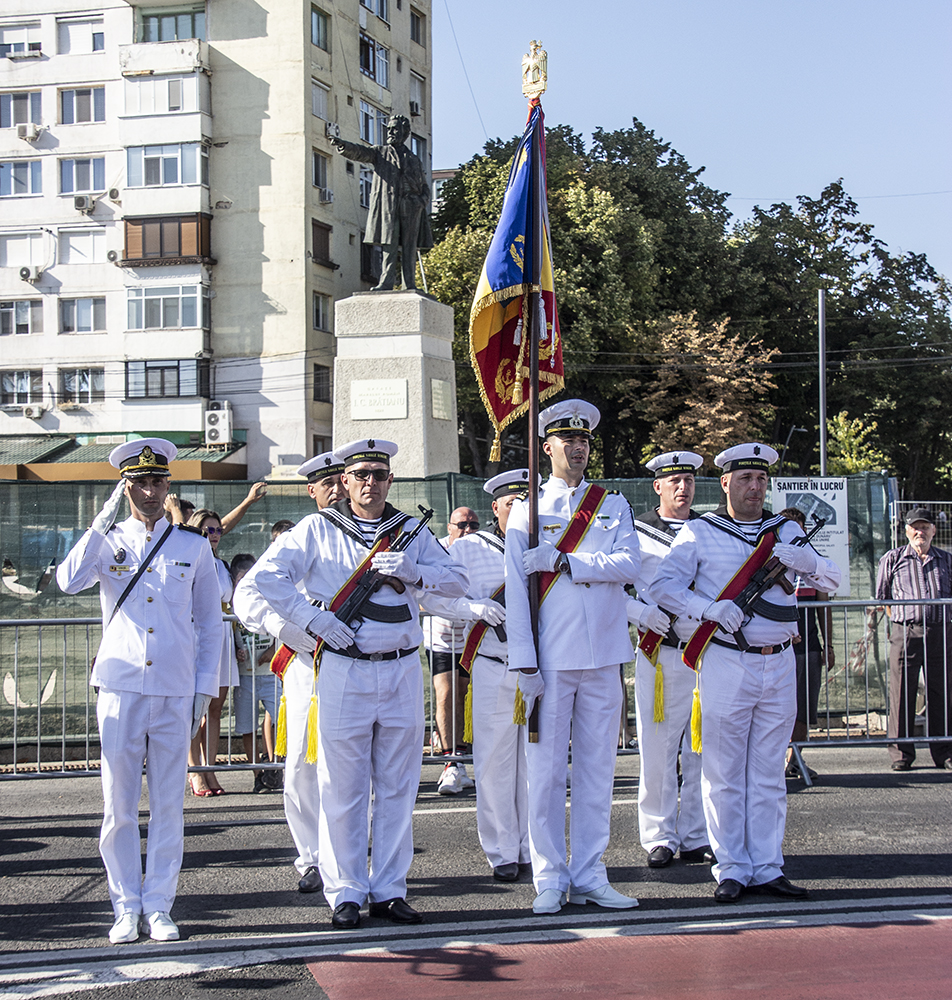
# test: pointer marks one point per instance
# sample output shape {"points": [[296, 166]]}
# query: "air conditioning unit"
{"points": [[415, 109], [218, 427], [84, 203], [218, 404], [326, 195], [29, 131], [114, 194], [33, 412], [31, 273], [112, 256]]}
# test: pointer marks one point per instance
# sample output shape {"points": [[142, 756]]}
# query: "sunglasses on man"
{"points": [[362, 475], [463, 525]]}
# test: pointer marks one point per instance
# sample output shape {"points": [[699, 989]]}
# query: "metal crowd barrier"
{"points": [[48, 717]]}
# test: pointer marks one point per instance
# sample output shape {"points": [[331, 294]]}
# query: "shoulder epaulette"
{"points": [[192, 528]]}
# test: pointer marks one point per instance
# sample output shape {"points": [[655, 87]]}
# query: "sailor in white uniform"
{"points": [[583, 639], [667, 822], [748, 672], [156, 670]]}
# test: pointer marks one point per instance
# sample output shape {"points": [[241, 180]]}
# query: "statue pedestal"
{"points": [[394, 378]]}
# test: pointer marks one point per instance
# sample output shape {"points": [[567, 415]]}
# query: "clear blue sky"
{"points": [[774, 97]]}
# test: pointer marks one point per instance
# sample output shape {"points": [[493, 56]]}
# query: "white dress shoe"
{"points": [[160, 926], [548, 901], [605, 896], [125, 930]]}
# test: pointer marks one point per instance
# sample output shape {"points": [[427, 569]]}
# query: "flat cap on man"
{"points": [[674, 463], [320, 466], [569, 417], [143, 457], [513, 481], [365, 450], [752, 455]]}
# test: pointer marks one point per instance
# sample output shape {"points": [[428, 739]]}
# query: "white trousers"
{"points": [[748, 705], [134, 728], [499, 765], [587, 705], [661, 823], [370, 719], [301, 789]]}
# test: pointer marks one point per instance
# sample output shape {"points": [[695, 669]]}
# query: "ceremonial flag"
{"points": [[499, 320]]}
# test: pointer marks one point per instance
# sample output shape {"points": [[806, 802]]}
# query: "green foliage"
{"points": [[850, 447]]}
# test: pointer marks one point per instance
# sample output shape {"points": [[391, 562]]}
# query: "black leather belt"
{"points": [[393, 654], [755, 650], [673, 641]]}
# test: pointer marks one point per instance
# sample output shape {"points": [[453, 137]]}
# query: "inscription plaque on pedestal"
{"points": [[378, 399]]}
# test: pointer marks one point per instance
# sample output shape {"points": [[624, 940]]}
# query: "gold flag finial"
{"points": [[535, 65]]}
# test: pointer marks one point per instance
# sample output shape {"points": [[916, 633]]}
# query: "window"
{"points": [[19, 177], [373, 124], [319, 95], [418, 147], [19, 249], [83, 315], [88, 104], [417, 26], [19, 38], [170, 25], [170, 237], [159, 95], [366, 184], [320, 444], [322, 312], [371, 261], [322, 384], [320, 29], [417, 95], [82, 246], [321, 243], [169, 307], [22, 317], [379, 7], [318, 169], [163, 379], [83, 175], [21, 387], [20, 108], [80, 36], [155, 166], [82, 385], [374, 60]]}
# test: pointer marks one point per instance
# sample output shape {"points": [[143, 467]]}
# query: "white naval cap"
{"points": [[570, 416], [143, 457], [751, 455], [673, 463], [513, 481], [325, 464], [365, 450]]}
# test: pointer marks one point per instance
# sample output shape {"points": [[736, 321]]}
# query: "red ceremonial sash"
{"points": [[477, 634], [574, 533], [698, 642], [284, 655], [649, 643]]}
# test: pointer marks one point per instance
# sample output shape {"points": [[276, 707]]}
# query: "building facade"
{"points": [[175, 227]]}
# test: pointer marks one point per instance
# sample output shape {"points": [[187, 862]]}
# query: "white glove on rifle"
{"points": [[531, 686], [488, 611], [799, 558], [331, 629], [199, 708], [648, 616], [296, 638], [397, 564], [541, 559], [726, 614], [106, 518]]}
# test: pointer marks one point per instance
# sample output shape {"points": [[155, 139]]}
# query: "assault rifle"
{"points": [[372, 580], [772, 572]]}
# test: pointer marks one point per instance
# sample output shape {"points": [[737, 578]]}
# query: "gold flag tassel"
{"points": [[468, 714], [658, 692], [696, 715], [519, 709], [495, 453]]}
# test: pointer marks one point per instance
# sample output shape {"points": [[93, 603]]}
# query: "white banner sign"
{"points": [[824, 499]]}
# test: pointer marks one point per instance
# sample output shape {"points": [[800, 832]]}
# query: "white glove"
{"points": [[531, 686], [397, 564], [488, 611], [106, 518], [648, 616], [296, 638], [331, 629], [541, 559], [199, 708], [726, 614], [799, 558]]}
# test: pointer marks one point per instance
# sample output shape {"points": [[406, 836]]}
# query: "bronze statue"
{"points": [[399, 201]]}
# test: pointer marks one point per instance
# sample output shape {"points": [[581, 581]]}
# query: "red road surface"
{"points": [[866, 962]]}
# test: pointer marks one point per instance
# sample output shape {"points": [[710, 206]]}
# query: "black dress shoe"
{"points": [[782, 888], [902, 765], [728, 891], [946, 765], [698, 855], [310, 881], [506, 873], [397, 911], [660, 857], [346, 916]]}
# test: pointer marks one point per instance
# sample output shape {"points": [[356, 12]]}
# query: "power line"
{"points": [[465, 74]]}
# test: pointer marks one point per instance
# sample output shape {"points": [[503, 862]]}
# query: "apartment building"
{"points": [[175, 227]]}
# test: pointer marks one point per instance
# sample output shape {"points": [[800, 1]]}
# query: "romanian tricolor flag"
{"points": [[499, 321]]}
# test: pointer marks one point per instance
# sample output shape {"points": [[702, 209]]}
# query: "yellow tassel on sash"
{"points": [[468, 714], [311, 756], [696, 717], [281, 740], [519, 710], [658, 693]]}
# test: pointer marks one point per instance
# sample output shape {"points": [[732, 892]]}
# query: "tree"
{"points": [[849, 448]]}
